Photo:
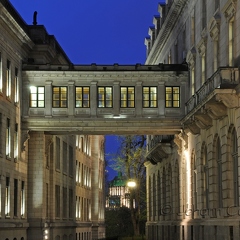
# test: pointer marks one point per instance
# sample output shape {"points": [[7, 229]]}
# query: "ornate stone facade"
{"points": [[51, 186], [193, 191]]}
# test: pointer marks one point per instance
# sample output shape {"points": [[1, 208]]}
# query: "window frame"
{"points": [[150, 98], [82, 100], [60, 99], [104, 100], [8, 79], [127, 102], [16, 85], [172, 101], [37, 97]]}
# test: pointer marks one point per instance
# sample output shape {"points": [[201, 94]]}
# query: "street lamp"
{"points": [[131, 183]]}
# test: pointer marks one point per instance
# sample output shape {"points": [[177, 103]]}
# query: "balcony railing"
{"points": [[224, 77]]}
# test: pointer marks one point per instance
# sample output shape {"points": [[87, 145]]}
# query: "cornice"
{"points": [[165, 31]]}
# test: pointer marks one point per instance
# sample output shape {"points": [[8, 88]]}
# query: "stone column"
{"points": [[93, 99], [161, 99], [48, 98], [116, 99], [71, 98], [35, 194], [138, 99]]}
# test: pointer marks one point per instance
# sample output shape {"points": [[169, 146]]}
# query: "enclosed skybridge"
{"points": [[93, 99]]}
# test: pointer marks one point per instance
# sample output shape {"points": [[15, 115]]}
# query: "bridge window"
{"points": [[149, 97], [172, 97], [37, 96], [127, 97], [105, 97], [82, 97], [59, 97]]}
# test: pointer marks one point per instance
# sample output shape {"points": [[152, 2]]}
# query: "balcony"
{"points": [[211, 101], [158, 148]]}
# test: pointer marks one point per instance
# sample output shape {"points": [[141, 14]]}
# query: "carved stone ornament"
{"points": [[229, 9], [24, 137], [229, 100], [214, 26]]}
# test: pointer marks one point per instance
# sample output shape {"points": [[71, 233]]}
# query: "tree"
{"points": [[129, 160]]}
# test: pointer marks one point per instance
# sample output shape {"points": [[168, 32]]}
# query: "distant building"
{"points": [[118, 193]]}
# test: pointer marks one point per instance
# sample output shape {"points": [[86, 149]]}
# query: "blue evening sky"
{"points": [[95, 31]]}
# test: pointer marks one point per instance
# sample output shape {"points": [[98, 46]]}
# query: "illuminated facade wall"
{"points": [[51, 187], [193, 180]]}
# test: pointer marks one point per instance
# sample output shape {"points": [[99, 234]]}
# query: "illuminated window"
{"points": [[127, 97], [193, 80], [219, 172], [82, 97], [57, 201], [60, 97], [150, 97], [1, 82], [47, 201], [64, 154], [15, 200], [193, 28], [37, 97], [57, 161], [7, 197], [16, 93], [16, 142], [64, 202], [70, 156], [203, 67], [105, 97], [205, 178], [8, 139], [8, 79], [70, 203], [172, 97], [234, 152]]}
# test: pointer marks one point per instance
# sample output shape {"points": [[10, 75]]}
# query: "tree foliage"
{"points": [[129, 159]]}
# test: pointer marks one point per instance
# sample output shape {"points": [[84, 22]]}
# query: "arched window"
{"points": [[219, 172], [150, 196], [169, 185], [177, 188], [234, 153], [194, 180], [154, 197], [159, 195], [164, 198], [205, 177]]}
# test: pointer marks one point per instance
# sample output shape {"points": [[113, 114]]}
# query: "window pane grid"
{"points": [[149, 97], [127, 97], [82, 97], [105, 97], [60, 97], [37, 97], [172, 95]]}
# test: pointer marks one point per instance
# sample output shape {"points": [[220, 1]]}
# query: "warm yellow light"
{"points": [[131, 183]]}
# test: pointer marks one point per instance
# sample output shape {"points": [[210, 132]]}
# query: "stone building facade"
{"points": [[193, 177], [51, 186]]}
